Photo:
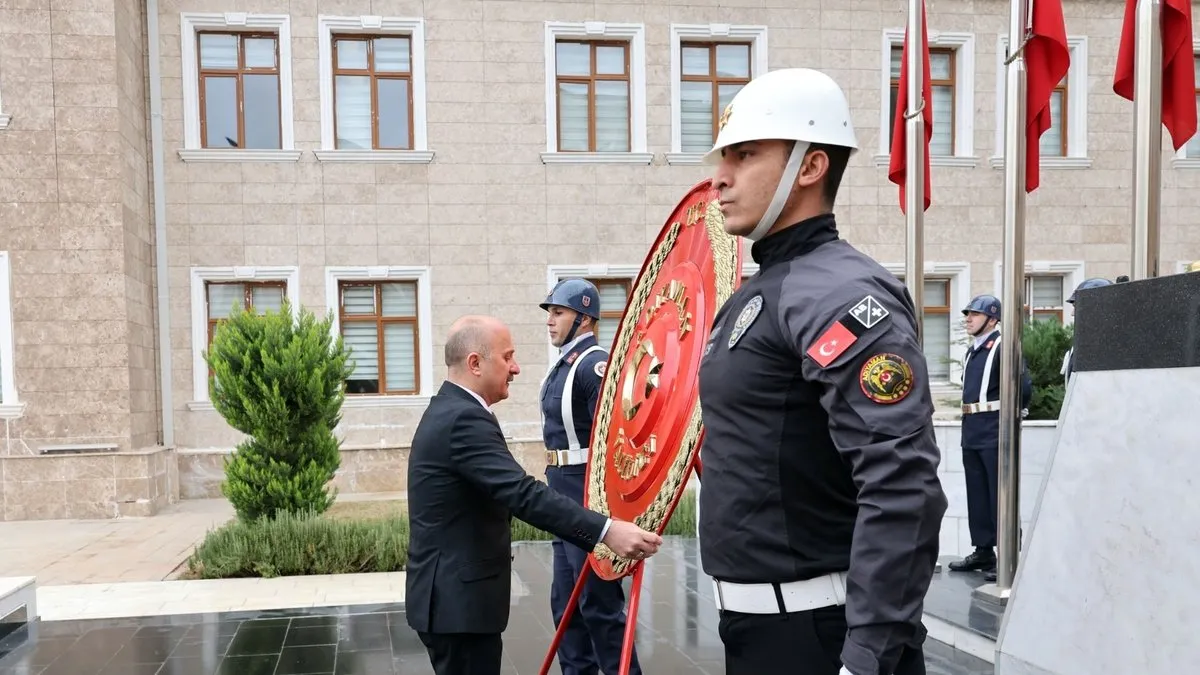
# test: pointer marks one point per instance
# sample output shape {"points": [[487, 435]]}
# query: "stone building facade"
{"points": [[401, 163]]}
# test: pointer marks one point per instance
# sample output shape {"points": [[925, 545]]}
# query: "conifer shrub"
{"points": [[1044, 344], [278, 378]]}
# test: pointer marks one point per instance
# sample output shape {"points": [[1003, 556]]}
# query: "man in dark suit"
{"points": [[463, 487]]}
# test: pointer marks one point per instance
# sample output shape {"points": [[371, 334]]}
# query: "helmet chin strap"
{"points": [[786, 181]]}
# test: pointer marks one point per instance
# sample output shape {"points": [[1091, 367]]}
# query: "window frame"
{"points": [[1075, 103], [380, 322], [894, 83], [715, 33], [239, 73], [598, 31], [191, 25], [382, 26], [247, 296], [963, 133], [10, 403], [335, 275], [199, 278], [591, 80], [1071, 271], [593, 273]]}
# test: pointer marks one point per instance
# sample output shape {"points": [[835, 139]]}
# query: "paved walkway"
{"points": [[105, 551]]}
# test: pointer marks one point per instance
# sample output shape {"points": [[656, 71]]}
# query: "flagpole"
{"points": [[1015, 119], [914, 193], [1147, 144]]}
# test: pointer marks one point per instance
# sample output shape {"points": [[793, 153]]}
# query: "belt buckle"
{"points": [[552, 457]]}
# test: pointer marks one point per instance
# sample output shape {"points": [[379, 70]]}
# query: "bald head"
{"points": [[480, 356], [470, 334]]}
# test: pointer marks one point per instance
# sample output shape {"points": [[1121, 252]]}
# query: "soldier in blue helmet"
{"points": [[569, 398], [981, 430], [1069, 358]]}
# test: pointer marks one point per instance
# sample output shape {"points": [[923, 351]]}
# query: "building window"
{"points": [[9, 405], [237, 87], [942, 86], [952, 84], [614, 294], [711, 74], [383, 316], [1064, 145], [239, 90], [596, 103], [372, 89], [216, 292], [372, 92], [936, 327], [710, 63], [379, 325], [225, 297], [593, 96], [1045, 293]]}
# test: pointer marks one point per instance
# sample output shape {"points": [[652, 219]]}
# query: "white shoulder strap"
{"points": [[987, 370], [568, 401]]}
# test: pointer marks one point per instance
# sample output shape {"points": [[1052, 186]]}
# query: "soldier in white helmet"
{"points": [[821, 507]]}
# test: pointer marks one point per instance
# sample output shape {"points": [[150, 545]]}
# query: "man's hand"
{"points": [[630, 541]]}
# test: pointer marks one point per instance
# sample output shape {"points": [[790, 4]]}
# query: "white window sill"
{"points": [[685, 157], [597, 157], [351, 401], [884, 161], [4, 120], [360, 401], [376, 156], [234, 155], [1185, 163], [1051, 162], [9, 411]]}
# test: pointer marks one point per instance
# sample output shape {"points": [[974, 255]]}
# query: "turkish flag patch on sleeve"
{"points": [[831, 344]]}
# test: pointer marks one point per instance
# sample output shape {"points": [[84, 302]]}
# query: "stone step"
{"points": [[18, 613]]}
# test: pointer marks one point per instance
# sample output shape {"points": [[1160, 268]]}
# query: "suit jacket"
{"points": [[464, 486]]}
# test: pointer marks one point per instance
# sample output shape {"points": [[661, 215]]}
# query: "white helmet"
{"points": [[793, 104]]}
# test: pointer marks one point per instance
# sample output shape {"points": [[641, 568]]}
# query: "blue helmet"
{"points": [[577, 294], [987, 305], [1095, 282]]}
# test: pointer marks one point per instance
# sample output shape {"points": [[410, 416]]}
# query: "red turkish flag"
{"points": [[1179, 67], [1047, 59], [898, 167]]}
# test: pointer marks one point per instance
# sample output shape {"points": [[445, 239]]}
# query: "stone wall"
{"points": [[88, 486]]}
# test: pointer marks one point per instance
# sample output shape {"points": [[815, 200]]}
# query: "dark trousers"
{"points": [[593, 640], [464, 653], [800, 643], [981, 466]]}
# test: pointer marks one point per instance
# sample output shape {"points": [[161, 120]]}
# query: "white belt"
{"points": [[566, 457], [794, 596], [972, 408]]}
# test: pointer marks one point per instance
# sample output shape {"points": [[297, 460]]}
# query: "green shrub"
{"points": [[293, 544], [1044, 344], [306, 543], [279, 380]]}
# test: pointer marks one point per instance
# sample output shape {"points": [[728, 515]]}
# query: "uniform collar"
{"points": [[577, 342], [984, 338], [795, 241]]}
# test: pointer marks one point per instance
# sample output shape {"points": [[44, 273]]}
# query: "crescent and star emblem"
{"points": [[827, 348]]}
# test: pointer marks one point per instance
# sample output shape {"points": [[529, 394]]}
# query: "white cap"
{"points": [[793, 104]]}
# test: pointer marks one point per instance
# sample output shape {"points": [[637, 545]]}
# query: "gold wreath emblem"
{"points": [[886, 378], [725, 116]]}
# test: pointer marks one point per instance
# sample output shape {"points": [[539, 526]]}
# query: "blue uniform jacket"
{"points": [[982, 430], [585, 393]]}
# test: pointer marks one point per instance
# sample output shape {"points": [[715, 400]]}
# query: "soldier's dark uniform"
{"points": [[819, 464], [596, 633], [981, 438]]}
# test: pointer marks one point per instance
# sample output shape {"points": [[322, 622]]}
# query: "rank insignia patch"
{"points": [[886, 378], [747, 317], [600, 368], [571, 357], [869, 312]]}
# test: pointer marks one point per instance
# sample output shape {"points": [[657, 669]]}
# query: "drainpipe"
{"points": [[158, 185]]}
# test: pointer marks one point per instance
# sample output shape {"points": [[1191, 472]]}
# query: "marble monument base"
{"points": [[1108, 578]]}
